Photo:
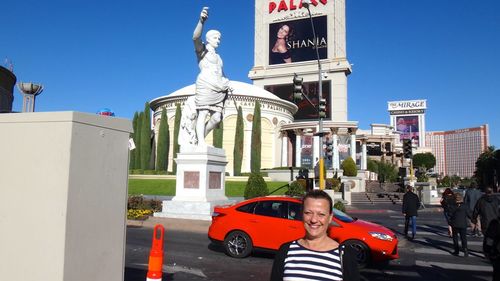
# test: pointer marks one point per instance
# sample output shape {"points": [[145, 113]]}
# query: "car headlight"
{"points": [[381, 236]]}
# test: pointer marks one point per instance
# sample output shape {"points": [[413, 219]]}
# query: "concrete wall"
{"points": [[63, 180]]}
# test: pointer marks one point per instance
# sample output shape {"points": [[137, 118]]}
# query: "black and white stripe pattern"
{"points": [[305, 264]]}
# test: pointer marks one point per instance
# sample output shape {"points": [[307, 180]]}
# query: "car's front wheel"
{"points": [[362, 251], [238, 244]]}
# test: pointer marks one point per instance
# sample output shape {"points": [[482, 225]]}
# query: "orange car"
{"points": [[268, 222]]}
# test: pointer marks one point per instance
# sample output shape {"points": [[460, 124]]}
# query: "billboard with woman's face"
{"points": [[293, 41], [306, 110], [408, 127]]}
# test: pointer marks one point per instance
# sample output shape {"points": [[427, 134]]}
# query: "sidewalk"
{"points": [[197, 226]]}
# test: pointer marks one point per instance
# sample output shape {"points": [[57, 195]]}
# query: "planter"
{"points": [[337, 196]]}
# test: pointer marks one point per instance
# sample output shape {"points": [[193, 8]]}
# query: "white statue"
{"points": [[211, 85], [187, 127]]}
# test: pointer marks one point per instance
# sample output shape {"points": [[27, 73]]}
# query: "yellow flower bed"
{"points": [[138, 214]]}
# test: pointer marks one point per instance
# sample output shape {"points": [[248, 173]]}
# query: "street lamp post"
{"points": [[306, 4]]}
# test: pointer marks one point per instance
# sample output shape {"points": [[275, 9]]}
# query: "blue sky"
{"points": [[119, 54]]}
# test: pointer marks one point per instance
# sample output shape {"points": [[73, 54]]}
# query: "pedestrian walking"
{"points": [[472, 195], [447, 201], [486, 208], [491, 245], [411, 203], [458, 221]]}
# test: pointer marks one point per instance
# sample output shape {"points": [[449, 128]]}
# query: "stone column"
{"points": [[364, 159], [298, 150], [335, 139], [284, 149], [353, 145], [317, 147]]}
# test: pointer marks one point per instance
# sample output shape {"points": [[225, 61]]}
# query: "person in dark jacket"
{"points": [[458, 221], [472, 195], [411, 203], [293, 260], [448, 201], [491, 246], [486, 207]]}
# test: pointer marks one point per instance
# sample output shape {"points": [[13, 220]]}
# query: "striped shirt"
{"points": [[304, 264]]}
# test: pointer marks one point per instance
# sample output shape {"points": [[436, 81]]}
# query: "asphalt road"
{"points": [[190, 256]]}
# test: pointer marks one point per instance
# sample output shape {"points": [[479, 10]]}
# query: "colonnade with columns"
{"points": [[291, 146]]}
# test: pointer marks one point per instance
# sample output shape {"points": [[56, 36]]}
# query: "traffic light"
{"points": [[329, 148], [297, 88], [322, 108], [407, 148]]}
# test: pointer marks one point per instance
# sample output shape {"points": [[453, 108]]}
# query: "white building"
{"points": [[275, 113]]}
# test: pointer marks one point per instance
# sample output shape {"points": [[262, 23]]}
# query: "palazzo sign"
{"points": [[290, 5]]}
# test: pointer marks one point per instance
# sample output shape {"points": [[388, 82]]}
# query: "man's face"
{"points": [[214, 40]]}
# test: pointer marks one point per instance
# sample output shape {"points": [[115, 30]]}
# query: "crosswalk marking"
{"points": [[457, 266], [394, 272], [434, 251]]}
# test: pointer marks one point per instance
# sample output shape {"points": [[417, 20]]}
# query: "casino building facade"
{"points": [[285, 46], [288, 130]]}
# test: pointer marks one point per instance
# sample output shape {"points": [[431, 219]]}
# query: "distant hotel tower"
{"points": [[456, 151]]}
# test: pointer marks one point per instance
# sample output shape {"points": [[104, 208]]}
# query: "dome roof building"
{"points": [[275, 113]]}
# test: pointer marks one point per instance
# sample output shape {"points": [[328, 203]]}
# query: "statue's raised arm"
{"points": [[198, 30]]}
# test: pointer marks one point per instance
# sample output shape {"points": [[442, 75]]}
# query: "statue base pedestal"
{"points": [[200, 184]]}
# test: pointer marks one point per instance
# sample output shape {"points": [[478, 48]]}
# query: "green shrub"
{"points": [[333, 183], [139, 203], [422, 178], [296, 189], [256, 186], [349, 167], [238, 143], [303, 183], [256, 141], [137, 172], [339, 206]]}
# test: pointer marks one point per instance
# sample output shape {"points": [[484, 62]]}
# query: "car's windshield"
{"points": [[342, 216]]}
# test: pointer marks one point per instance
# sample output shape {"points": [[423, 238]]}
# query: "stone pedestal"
{"points": [[199, 184]]}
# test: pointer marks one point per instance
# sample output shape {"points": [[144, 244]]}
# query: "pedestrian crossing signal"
{"points": [[407, 148]]}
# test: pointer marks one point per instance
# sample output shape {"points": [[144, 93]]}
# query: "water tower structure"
{"points": [[29, 91]]}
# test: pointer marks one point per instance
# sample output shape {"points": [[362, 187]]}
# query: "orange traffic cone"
{"points": [[156, 255]]}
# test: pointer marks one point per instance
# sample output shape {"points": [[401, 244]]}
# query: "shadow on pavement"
{"points": [[431, 272]]}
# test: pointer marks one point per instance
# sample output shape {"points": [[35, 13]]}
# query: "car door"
{"points": [[295, 225], [271, 226]]}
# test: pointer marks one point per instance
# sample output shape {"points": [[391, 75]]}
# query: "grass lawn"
{"points": [[166, 187]]}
